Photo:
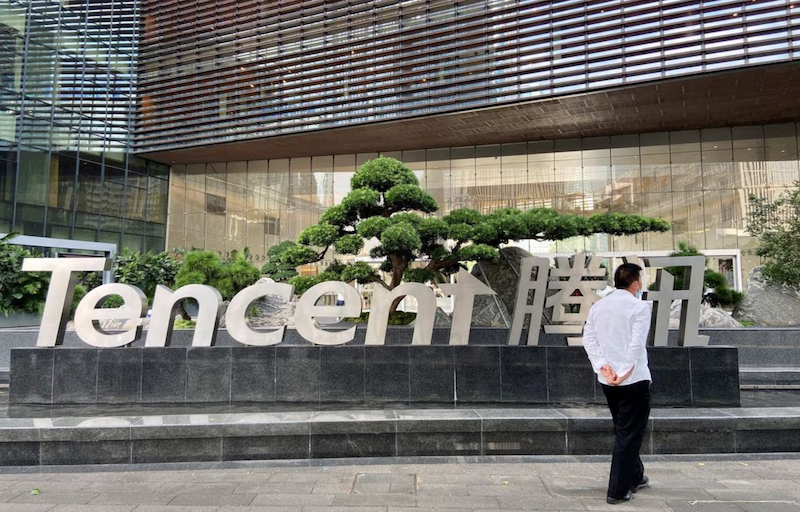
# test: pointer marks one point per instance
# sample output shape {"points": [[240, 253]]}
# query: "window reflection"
{"points": [[697, 181]]}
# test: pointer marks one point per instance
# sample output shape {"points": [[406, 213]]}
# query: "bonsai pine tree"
{"points": [[386, 204]]}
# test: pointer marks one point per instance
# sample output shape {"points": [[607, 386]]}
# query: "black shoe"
{"points": [[644, 483], [615, 501]]}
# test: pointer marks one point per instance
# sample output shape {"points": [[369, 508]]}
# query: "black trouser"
{"points": [[630, 408]]}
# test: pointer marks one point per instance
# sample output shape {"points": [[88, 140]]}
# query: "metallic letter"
{"points": [[539, 289], [237, 311], [464, 298], [690, 300], [585, 297], [307, 309], [379, 314], [59, 295], [135, 306], [166, 302]]}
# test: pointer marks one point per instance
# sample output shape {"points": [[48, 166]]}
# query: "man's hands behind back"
{"points": [[612, 379]]}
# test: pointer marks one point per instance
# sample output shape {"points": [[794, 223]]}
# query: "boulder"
{"points": [[441, 319], [272, 311], [709, 317], [767, 304]]}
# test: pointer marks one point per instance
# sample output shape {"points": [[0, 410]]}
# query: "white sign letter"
{"points": [[307, 309], [135, 306]]}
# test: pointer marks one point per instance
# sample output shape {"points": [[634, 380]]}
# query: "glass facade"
{"points": [[220, 70], [67, 94], [698, 180]]}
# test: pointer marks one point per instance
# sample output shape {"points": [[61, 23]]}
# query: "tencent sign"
{"points": [[568, 278]]}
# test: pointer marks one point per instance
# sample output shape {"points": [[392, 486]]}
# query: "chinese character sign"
{"points": [[574, 295]]}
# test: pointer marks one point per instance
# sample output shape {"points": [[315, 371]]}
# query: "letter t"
{"points": [[59, 295]]}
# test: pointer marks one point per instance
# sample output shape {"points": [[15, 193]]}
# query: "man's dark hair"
{"points": [[626, 274]]}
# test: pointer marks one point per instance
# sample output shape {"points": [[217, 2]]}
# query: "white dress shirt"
{"points": [[615, 334]]}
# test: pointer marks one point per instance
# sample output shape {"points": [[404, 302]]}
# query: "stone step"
{"points": [[769, 377], [398, 434]]}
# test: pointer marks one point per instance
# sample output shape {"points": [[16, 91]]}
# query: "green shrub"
{"points": [[716, 292], [20, 291]]}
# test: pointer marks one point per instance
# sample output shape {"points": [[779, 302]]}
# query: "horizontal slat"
{"points": [[226, 70]]}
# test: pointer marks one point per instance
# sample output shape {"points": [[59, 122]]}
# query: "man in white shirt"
{"points": [[615, 338]]}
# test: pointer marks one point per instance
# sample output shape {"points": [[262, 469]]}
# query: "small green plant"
{"points": [[395, 318], [80, 293], [145, 270], [747, 323], [229, 276], [180, 323], [113, 301]]}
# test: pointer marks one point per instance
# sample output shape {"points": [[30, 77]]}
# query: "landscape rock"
{"points": [[769, 305], [709, 317]]}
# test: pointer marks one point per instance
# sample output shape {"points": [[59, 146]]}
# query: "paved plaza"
{"points": [[697, 484]]}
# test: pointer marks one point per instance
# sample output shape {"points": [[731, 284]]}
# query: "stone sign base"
{"points": [[404, 434], [692, 377]]}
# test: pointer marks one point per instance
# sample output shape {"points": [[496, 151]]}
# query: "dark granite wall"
{"points": [[697, 376]]}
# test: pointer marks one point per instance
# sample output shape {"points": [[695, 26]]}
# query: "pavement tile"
{"points": [[201, 488], [22, 507], [717, 507], [446, 478], [168, 508], [132, 499], [685, 483], [680, 506], [342, 488], [384, 478], [196, 499], [759, 483], [420, 509], [720, 494], [121, 488], [63, 486], [293, 500], [445, 489], [463, 502], [276, 488], [56, 498], [259, 509], [656, 491], [634, 505], [6, 496], [330, 478], [344, 509], [371, 488], [405, 487], [92, 508], [504, 490], [374, 500], [539, 503], [765, 506]]}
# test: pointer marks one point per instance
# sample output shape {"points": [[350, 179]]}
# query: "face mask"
{"points": [[639, 294]]}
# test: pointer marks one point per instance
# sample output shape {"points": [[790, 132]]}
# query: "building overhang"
{"points": [[752, 95]]}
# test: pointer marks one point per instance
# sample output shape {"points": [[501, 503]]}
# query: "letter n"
{"points": [[379, 313], [165, 303]]}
